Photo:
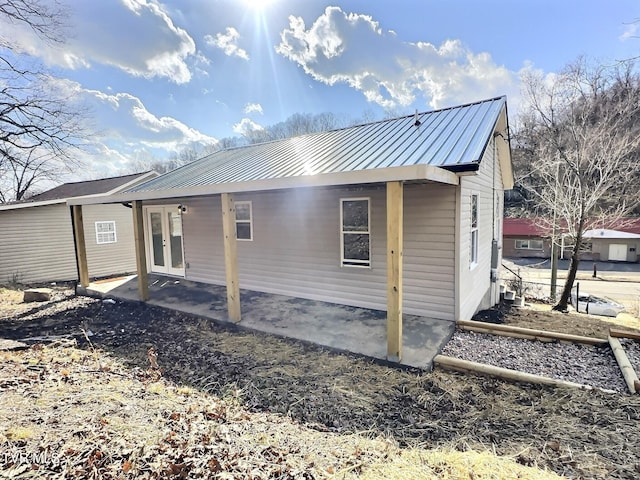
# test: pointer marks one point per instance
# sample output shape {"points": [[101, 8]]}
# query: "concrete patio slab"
{"points": [[352, 329]]}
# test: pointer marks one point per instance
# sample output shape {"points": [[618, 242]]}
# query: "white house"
{"points": [[402, 215], [37, 236]]}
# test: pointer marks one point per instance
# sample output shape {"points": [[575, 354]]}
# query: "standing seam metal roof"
{"points": [[453, 138]]}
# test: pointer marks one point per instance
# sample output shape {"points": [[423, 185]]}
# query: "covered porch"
{"points": [[339, 327]]}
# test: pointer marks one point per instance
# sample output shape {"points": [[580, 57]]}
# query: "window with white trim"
{"points": [[244, 220], [473, 256], [105, 232], [529, 244], [355, 237]]}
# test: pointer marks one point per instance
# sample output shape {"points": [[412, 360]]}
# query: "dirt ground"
{"points": [[578, 434], [541, 317]]}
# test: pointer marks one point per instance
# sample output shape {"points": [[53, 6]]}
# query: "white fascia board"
{"points": [[43, 203], [358, 177]]}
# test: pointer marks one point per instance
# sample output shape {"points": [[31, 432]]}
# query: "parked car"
{"points": [[596, 305]]}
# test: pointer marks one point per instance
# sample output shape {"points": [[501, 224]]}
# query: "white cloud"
{"points": [[246, 126], [136, 36], [124, 130], [253, 107], [351, 48], [630, 31], [228, 43]]}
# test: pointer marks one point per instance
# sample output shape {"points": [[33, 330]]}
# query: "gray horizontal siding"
{"points": [[429, 264], [296, 247], [202, 239], [475, 284], [36, 244], [109, 258]]}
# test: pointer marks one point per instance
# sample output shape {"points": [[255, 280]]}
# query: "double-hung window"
{"points": [[473, 257], [244, 221], [355, 236], [105, 232]]}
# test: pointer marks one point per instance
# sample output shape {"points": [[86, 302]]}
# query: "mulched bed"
{"points": [[574, 433]]}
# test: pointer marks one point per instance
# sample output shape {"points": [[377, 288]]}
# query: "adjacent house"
{"points": [[525, 237], [37, 235], [402, 215]]}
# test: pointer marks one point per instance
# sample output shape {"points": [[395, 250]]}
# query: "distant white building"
{"points": [[613, 245]]}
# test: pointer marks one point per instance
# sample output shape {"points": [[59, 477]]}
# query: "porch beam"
{"points": [[231, 256], [81, 246], [141, 257], [395, 222]]}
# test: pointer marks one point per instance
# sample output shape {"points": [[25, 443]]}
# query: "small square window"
{"points": [[244, 221], [105, 232]]}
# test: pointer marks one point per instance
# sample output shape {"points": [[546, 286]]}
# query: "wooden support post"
{"points": [[231, 256], [628, 373], [395, 222], [141, 257], [81, 247]]}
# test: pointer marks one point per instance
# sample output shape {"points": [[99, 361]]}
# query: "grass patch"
{"points": [[90, 413]]}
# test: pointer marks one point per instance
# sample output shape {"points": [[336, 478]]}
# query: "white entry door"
{"points": [[164, 240], [618, 252]]}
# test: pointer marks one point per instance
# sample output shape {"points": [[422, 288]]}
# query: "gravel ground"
{"points": [[595, 366], [632, 348]]}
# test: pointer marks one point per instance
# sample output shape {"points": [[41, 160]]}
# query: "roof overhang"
{"points": [[504, 148], [425, 173], [609, 234], [142, 178], [43, 203]]}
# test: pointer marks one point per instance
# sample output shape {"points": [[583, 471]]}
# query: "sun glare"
{"points": [[257, 5]]}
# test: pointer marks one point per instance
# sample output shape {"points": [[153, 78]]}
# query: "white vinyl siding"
{"points": [[37, 243], [112, 258], [296, 247], [105, 232], [428, 251], [475, 286]]}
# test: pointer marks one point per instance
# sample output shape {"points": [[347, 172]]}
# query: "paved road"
{"points": [[617, 281]]}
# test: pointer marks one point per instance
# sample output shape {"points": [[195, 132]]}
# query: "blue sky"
{"points": [[161, 76]]}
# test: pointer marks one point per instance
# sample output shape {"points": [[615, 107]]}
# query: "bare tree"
{"points": [[39, 127], [582, 133]]}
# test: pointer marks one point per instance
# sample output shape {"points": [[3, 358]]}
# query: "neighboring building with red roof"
{"points": [[617, 240], [525, 237]]}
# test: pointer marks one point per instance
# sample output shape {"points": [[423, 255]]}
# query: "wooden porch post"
{"points": [[231, 256], [395, 222], [141, 257], [81, 248]]}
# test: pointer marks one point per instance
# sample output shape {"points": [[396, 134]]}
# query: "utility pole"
{"points": [[554, 253]]}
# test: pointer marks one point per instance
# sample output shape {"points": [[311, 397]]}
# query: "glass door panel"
{"points": [[157, 239], [174, 220], [164, 240]]}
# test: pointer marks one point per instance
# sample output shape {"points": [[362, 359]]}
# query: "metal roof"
{"points": [[85, 189], [453, 139], [606, 233]]}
